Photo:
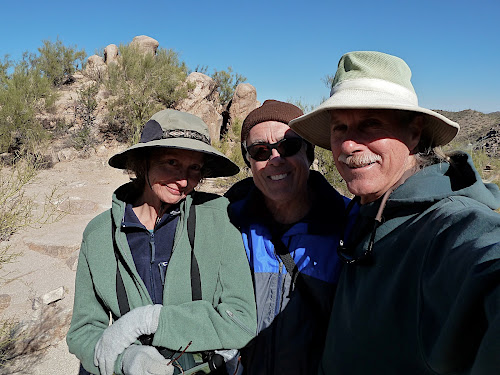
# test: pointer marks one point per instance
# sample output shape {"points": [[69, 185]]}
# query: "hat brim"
{"points": [[217, 163], [315, 126]]}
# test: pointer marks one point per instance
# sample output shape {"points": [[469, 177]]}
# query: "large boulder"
{"points": [[96, 67], [145, 44], [244, 101], [203, 101], [111, 54]]}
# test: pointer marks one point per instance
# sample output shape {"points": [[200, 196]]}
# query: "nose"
{"points": [[275, 157], [182, 178], [351, 142]]}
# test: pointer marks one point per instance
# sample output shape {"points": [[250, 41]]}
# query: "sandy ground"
{"points": [[49, 258]]}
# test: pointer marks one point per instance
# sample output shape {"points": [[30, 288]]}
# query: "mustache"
{"points": [[359, 160]]}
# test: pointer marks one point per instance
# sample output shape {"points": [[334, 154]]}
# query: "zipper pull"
{"points": [[163, 271]]}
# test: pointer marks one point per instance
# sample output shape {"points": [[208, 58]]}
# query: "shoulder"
{"points": [[209, 200], [98, 223]]}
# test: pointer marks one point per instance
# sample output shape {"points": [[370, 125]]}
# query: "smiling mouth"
{"points": [[278, 177], [357, 166]]}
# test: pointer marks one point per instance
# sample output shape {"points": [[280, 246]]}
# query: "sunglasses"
{"points": [[286, 147]]}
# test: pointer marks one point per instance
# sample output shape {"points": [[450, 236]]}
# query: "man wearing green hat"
{"points": [[420, 292]]}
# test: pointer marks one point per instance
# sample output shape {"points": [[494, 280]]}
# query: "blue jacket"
{"points": [[291, 326]]}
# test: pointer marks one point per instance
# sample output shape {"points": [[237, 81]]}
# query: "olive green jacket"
{"points": [[225, 318]]}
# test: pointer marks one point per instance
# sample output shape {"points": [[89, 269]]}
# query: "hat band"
{"points": [[186, 133], [378, 85]]}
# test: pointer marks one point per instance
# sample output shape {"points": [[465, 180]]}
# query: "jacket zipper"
{"points": [[277, 306], [239, 323], [153, 253]]}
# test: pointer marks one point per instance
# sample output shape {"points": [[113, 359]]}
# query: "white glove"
{"points": [[227, 354], [123, 333], [145, 360], [231, 357]]}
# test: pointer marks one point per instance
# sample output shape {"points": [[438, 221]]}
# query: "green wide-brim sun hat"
{"points": [[372, 80], [180, 130]]}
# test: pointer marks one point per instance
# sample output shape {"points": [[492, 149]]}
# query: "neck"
{"points": [[149, 211], [288, 212]]}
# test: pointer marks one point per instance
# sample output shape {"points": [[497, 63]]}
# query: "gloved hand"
{"points": [[145, 360], [227, 354], [123, 333], [231, 358]]}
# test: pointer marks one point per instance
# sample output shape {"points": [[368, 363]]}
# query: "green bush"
{"points": [[142, 84], [23, 94], [227, 81], [229, 145], [58, 62], [84, 111]]}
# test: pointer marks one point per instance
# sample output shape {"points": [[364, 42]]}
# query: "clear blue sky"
{"points": [[285, 48]]}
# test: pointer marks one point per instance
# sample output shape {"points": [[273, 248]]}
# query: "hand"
{"points": [[123, 333], [227, 354], [145, 360]]}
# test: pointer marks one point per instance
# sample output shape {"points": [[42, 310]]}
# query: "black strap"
{"points": [[291, 267], [195, 270], [286, 258], [121, 293]]}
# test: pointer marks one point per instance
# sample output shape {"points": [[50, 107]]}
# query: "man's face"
{"points": [[372, 149], [281, 179]]}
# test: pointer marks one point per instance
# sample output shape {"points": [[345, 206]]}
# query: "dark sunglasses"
{"points": [[286, 147]]}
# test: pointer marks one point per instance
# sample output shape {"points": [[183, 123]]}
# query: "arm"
{"points": [[460, 321], [90, 318]]}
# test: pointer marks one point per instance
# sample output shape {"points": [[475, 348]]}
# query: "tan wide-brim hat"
{"points": [[174, 129], [372, 80]]}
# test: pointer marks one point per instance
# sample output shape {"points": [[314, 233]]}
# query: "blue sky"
{"points": [[286, 48]]}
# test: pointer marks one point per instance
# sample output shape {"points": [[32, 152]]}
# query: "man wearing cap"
{"points": [[420, 291], [291, 219]]}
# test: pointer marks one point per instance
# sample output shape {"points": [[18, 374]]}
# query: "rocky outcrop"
{"points": [[203, 101], [145, 44], [96, 67], [490, 143], [244, 101], [111, 54]]}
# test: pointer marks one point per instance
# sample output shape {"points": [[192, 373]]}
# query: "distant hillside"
{"points": [[473, 124]]}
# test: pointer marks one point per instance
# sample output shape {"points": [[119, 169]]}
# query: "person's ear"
{"points": [[415, 127]]}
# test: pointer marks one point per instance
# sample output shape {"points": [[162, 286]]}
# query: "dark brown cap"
{"points": [[271, 110]]}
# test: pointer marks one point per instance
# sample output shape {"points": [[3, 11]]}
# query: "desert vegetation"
{"points": [[134, 88]]}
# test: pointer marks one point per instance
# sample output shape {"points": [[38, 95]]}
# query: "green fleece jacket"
{"points": [[225, 318], [429, 303]]}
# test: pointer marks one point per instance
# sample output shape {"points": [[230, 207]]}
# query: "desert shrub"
{"points": [[229, 145], [227, 81], [23, 94], [142, 84], [86, 105], [58, 62], [325, 164], [17, 212]]}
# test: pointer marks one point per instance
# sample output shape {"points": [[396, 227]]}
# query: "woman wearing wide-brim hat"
{"points": [[164, 262]]}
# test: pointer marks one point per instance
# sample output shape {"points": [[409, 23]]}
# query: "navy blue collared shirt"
{"points": [[151, 250]]}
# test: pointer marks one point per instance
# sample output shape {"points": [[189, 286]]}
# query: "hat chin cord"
{"points": [[163, 206]]}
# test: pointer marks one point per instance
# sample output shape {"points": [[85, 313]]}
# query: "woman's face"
{"points": [[172, 174]]}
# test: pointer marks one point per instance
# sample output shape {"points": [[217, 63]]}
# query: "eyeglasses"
{"points": [[347, 255], [286, 147]]}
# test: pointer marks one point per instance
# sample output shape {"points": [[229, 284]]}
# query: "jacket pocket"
{"points": [[239, 323]]}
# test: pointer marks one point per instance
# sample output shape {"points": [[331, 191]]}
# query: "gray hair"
{"points": [[425, 154]]}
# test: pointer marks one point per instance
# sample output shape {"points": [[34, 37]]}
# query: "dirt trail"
{"points": [[49, 257]]}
